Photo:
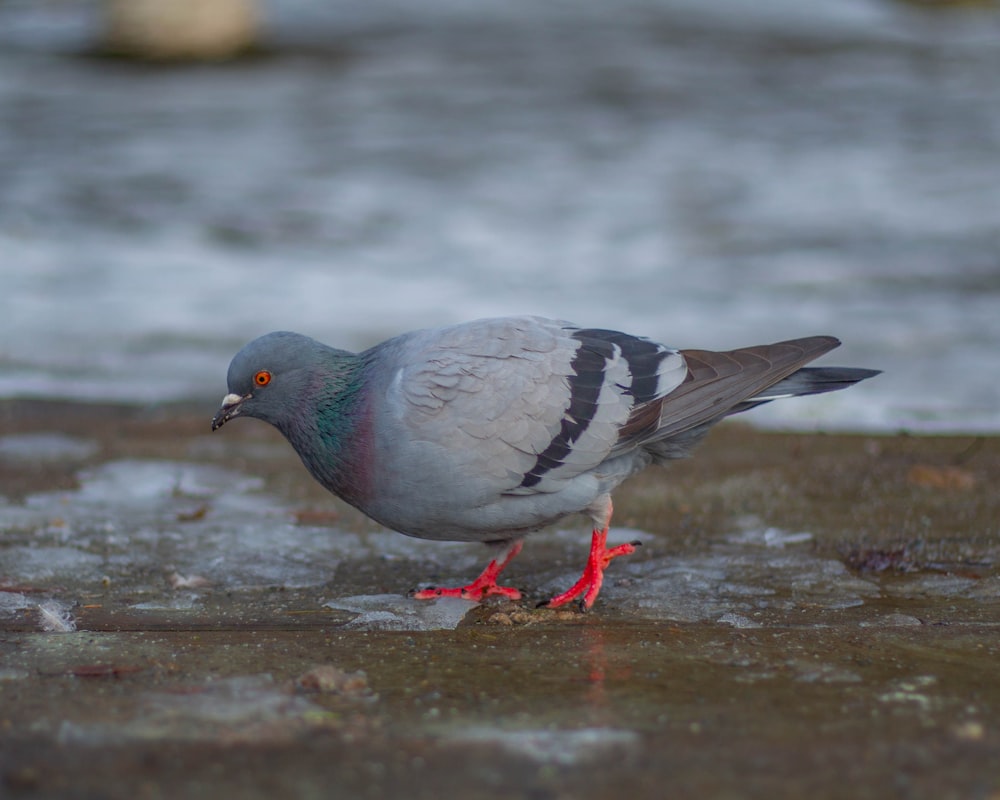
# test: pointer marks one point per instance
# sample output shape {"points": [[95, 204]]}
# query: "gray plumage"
{"points": [[488, 430]]}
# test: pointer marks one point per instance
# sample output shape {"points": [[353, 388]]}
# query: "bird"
{"points": [[489, 430]]}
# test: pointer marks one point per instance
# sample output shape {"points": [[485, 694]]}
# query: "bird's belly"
{"points": [[502, 517], [440, 501]]}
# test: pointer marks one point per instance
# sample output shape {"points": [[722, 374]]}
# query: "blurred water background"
{"points": [[710, 173]]}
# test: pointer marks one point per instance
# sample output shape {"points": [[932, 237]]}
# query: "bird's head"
{"points": [[266, 376]]}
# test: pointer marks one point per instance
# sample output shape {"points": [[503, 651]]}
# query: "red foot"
{"points": [[481, 587], [593, 574]]}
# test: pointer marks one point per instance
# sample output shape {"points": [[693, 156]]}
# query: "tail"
{"points": [[721, 384], [808, 380]]}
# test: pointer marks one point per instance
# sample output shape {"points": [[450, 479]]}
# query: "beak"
{"points": [[230, 408]]}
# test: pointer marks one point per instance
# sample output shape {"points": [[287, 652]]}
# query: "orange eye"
{"points": [[262, 378]]}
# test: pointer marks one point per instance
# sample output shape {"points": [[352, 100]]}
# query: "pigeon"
{"points": [[489, 430]]}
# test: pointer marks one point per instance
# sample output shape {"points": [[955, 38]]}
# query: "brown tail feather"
{"points": [[717, 382]]}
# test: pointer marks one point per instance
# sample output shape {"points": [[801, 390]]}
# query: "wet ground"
{"points": [[187, 614]]}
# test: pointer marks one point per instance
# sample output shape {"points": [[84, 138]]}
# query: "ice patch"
{"points": [[560, 747], [770, 537], [46, 564], [165, 519], [12, 602], [139, 482], [895, 620], [182, 602], [45, 447], [737, 620], [391, 612], [245, 709], [811, 672], [145, 516], [751, 571], [935, 585]]}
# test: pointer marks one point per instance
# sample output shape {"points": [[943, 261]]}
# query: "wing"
{"points": [[526, 403]]}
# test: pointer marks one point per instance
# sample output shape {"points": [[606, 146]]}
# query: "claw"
{"points": [[590, 582], [482, 587]]}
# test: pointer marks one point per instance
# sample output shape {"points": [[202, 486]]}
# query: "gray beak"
{"points": [[230, 408]]}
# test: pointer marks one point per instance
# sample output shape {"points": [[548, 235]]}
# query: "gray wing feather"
{"points": [[534, 403], [489, 394], [496, 394]]}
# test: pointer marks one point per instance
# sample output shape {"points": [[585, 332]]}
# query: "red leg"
{"points": [[593, 574], [483, 586]]}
